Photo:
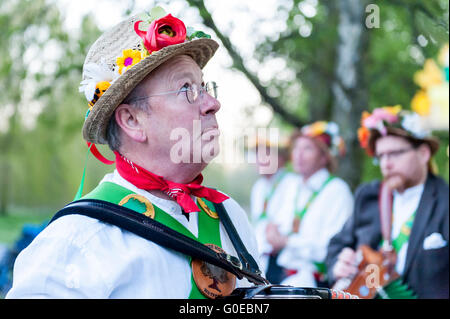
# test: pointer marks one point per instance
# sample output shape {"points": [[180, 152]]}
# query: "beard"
{"points": [[399, 181]]}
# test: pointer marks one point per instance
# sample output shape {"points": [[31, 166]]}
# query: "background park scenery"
{"points": [[281, 64]]}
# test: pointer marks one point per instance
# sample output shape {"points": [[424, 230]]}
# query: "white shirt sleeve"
{"points": [[81, 257], [57, 266], [325, 217]]}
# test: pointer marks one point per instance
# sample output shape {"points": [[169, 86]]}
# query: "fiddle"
{"points": [[376, 269]]}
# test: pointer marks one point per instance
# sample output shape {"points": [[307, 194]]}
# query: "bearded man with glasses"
{"points": [[141, 87], [415, 230]]}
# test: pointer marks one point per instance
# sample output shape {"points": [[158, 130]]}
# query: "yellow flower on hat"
{"points": [[394, 110], [429, 76], [129, 58], [317, 128], [421, 103], [100, 88]]}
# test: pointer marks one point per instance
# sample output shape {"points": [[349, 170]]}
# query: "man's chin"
{"points": [[398, 181], [210, 150]]}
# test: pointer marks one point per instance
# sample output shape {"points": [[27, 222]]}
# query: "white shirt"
{"points": [[404, 205], [324, 218], [80, 257], [260, 190]]}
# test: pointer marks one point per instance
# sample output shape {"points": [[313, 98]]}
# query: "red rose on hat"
{"points": [[162, 32]]}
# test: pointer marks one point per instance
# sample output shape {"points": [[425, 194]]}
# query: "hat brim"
{"points": [[432, 142], [96, 124]]}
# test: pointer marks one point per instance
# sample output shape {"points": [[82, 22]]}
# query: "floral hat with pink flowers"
{"points": [[393, 120], [124, 55], [328, 134]]}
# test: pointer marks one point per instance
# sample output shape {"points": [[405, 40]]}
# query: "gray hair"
{"points": [[113, 131]]}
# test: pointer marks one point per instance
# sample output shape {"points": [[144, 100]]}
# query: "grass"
{"points": [[11, 224]]}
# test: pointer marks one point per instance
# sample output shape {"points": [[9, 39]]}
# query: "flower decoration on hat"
{"points": [[431, 101], [129, 58], [364, 132], [161, 30], [327, 133], [390, 116], [98, 78], [380, 117]]}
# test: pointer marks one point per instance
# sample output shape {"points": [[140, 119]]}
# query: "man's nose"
{"points": [[386, 163], [209, 105]]}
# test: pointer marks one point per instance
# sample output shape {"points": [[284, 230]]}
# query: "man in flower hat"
{"points": [[314, 206], [266, 195], [144, 83], [405, 216]]}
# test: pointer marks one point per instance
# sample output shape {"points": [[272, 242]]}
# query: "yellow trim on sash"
{"points": [[150, 210], [207, 209]]}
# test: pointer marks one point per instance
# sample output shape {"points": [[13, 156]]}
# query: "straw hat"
{"points": [[393, 120], [101, 61], [431, 141], [326, 136]]}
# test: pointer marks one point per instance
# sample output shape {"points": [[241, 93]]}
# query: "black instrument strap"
{"points": [[158, 233], [245, 257]]}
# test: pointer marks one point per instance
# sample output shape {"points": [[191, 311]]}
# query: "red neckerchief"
{"points": [[146, 180]]}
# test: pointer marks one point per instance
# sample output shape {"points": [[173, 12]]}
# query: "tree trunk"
{"points": [[350, 96]]}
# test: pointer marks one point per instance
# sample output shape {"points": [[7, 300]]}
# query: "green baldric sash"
{"points": [[299, 214], [270, 194], [397, 289], [208, 221], [403, 237]]}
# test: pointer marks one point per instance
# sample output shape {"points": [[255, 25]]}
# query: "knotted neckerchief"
{"points": [[146, 180]]}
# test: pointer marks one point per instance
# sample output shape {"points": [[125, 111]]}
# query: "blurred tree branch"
{"points": [[415, 6], [238, 63]]}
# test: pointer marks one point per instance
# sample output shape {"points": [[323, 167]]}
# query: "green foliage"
{"points": [[42, 153], [199, 35], [394, 55], [40, 70], [11, 226], [310, 58]]}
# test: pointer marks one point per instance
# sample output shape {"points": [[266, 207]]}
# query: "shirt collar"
{"points": [[317, 179], [275, 176], [412, 192], [164, 204]]}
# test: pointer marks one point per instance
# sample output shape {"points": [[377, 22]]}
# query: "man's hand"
{"points": [[275, 238], [346, 265]]}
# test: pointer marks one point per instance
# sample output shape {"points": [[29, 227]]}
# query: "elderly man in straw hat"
{"points": [[416, 223], [315, 205], [144, 83]]}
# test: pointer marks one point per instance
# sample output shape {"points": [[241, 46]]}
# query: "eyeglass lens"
{"points": [[194, 92]]}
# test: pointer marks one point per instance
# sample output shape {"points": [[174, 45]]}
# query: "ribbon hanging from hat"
{"points": [[98, 155], [91, 149], [146, 180]]}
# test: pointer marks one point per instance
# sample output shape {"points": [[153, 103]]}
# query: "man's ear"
{"points": [[323, 160], [130, 121], [425, 152]]}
